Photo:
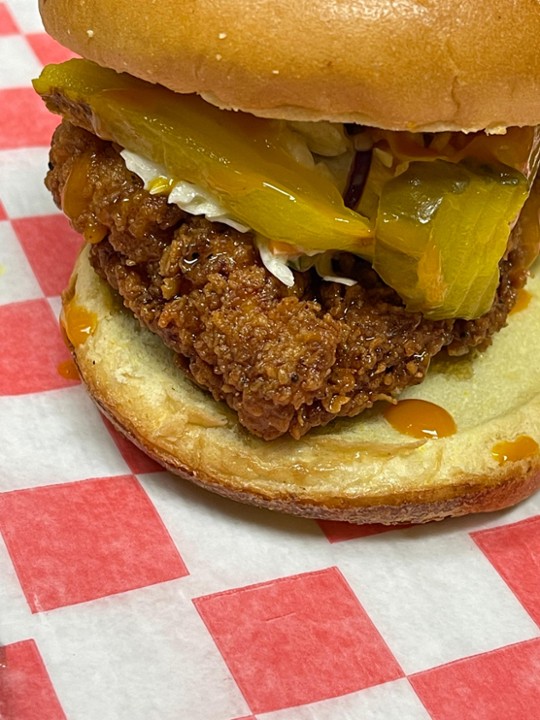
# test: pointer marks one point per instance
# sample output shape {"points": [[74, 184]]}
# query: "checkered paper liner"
{"points": [[127, 593]]}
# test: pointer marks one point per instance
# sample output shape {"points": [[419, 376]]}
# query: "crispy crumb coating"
{"points": [[285, 359]]}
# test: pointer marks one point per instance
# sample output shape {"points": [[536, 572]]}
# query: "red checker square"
{"points": [[33, 351], [3, 214], [51, 246], [47, 49], [514, 551], [135, 459], [7, 24], [26, 691], [336, 531], [297, 640], [24, 120], [89, 539], [497, 685]]}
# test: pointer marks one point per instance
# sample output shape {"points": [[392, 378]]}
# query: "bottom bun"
{"points": [[360, 470]]}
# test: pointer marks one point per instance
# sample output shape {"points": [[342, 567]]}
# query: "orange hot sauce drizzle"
{"points": [[512, 450], [75, 200], [78, 322], [68, 370], [420, 419], [523, 299]]}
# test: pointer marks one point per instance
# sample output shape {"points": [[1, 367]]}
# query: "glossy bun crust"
{"points": [[361, 469], [429, 65]]}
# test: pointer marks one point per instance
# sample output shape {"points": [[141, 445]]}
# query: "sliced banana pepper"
{"points": [[442, 229], [434, 217], [239, 158]]}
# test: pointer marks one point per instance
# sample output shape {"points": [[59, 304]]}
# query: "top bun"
{"points": [[401, 65]]}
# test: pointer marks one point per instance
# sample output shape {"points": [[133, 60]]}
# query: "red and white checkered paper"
{"points": [[128, 594]]}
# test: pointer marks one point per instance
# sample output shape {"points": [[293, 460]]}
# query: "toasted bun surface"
{"points": [[430, 65], [360, 470]]}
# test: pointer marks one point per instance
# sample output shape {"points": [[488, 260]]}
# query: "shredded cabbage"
{"points": [[189, 197], [195, 200], [275, 263]]}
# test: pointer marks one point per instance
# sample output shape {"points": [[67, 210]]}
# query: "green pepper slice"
{"points": [[239, 158], [435, 228], [442, 229]]}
